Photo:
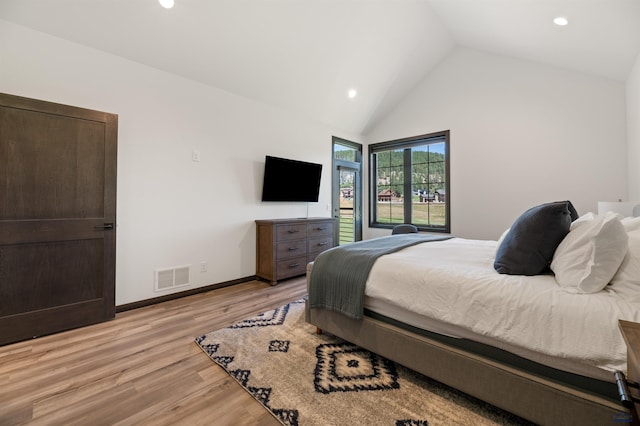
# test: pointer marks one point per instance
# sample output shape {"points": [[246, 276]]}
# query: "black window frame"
{"points": [[406, 144]]}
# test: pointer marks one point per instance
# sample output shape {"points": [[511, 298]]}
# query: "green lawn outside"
{"points": [[346, 228], [423, 213], [428, 214]]}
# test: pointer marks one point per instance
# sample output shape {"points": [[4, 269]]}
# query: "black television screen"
{"points": [[290, 180]]}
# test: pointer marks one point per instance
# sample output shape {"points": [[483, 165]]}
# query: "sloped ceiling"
{"points": [[303, 56], [602, 38]]}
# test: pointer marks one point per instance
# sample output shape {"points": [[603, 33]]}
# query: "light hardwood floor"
{"points": [[143, 368]]}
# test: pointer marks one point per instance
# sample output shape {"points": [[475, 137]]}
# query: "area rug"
{"points": [[304, 378]]}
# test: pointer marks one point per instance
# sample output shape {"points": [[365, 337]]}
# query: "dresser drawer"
{"points": [[311, 257], [321, 229], [291, 232], [293, 248], [317, 245], [291, 267]]}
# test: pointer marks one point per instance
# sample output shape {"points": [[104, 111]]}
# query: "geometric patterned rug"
{"points": [[303, 378]]}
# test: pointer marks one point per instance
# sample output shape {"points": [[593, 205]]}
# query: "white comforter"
{"points": [[454, 282]]}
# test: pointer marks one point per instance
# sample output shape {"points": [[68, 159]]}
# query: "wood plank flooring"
{"points": [[143, 368]]}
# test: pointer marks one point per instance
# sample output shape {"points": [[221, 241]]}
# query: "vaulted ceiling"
{"points": [[304, 56]]}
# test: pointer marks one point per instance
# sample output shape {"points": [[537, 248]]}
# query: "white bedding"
{"points": [[450, 287]]}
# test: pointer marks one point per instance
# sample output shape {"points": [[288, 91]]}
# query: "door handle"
{"points": [[104, 227]]}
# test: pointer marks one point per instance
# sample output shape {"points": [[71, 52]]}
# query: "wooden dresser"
{"points": [[285, 246]]}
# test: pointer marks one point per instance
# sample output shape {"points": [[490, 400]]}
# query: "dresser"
{"points": [[285, 246]]}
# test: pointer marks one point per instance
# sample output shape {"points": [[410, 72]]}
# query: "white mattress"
{"points": [[450, 287]]}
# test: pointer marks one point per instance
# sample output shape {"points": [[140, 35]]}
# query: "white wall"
{"points": [[633, 130], [172, 211], [521, 134]]}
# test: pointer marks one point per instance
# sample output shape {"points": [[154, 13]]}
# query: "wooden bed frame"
{"points": [[515, 390]]}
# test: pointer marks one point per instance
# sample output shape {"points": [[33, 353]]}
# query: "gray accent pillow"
{"points": [[572, 210], [528, 247]]}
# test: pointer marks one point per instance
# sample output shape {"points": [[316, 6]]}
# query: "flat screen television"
{"points": [[290, 180]]}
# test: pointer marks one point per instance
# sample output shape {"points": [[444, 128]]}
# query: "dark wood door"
{"points": [[57, 217]]}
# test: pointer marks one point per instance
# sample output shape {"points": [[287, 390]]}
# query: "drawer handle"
{"points": [[294, 265], [322, 244], [623, 390], [321, 228], [105, 226], [294, 248], [294, 231]]}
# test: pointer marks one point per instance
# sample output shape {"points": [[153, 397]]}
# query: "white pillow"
{"points": [[582, 220], [589, 256], [629, 271], [631, 223]]}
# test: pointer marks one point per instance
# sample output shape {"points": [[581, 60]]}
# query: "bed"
{"points": [[525, 343]]}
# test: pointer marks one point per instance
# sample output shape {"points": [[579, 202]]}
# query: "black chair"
{"points": [[405, 228]]}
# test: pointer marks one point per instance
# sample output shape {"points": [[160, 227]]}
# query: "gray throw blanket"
{"points": [[339, 274]]}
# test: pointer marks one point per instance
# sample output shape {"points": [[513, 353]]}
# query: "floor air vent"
{"points": [[172, 277]]}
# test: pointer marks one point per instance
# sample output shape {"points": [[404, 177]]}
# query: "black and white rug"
{"points": [[307, 379]]}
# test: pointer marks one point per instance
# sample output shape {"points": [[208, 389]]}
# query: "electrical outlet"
{"points": [[203, 266], [195, 156]]}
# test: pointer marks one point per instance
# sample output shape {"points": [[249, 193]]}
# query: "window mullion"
{"points": [[373, 183], [408, 194]]}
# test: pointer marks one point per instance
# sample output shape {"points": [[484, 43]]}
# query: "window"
{"points": [[409, 183], [347, 151]]}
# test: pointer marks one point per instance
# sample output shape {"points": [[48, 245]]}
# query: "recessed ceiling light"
{"points": [[167, 4], [561, 21], [352, 93]]}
